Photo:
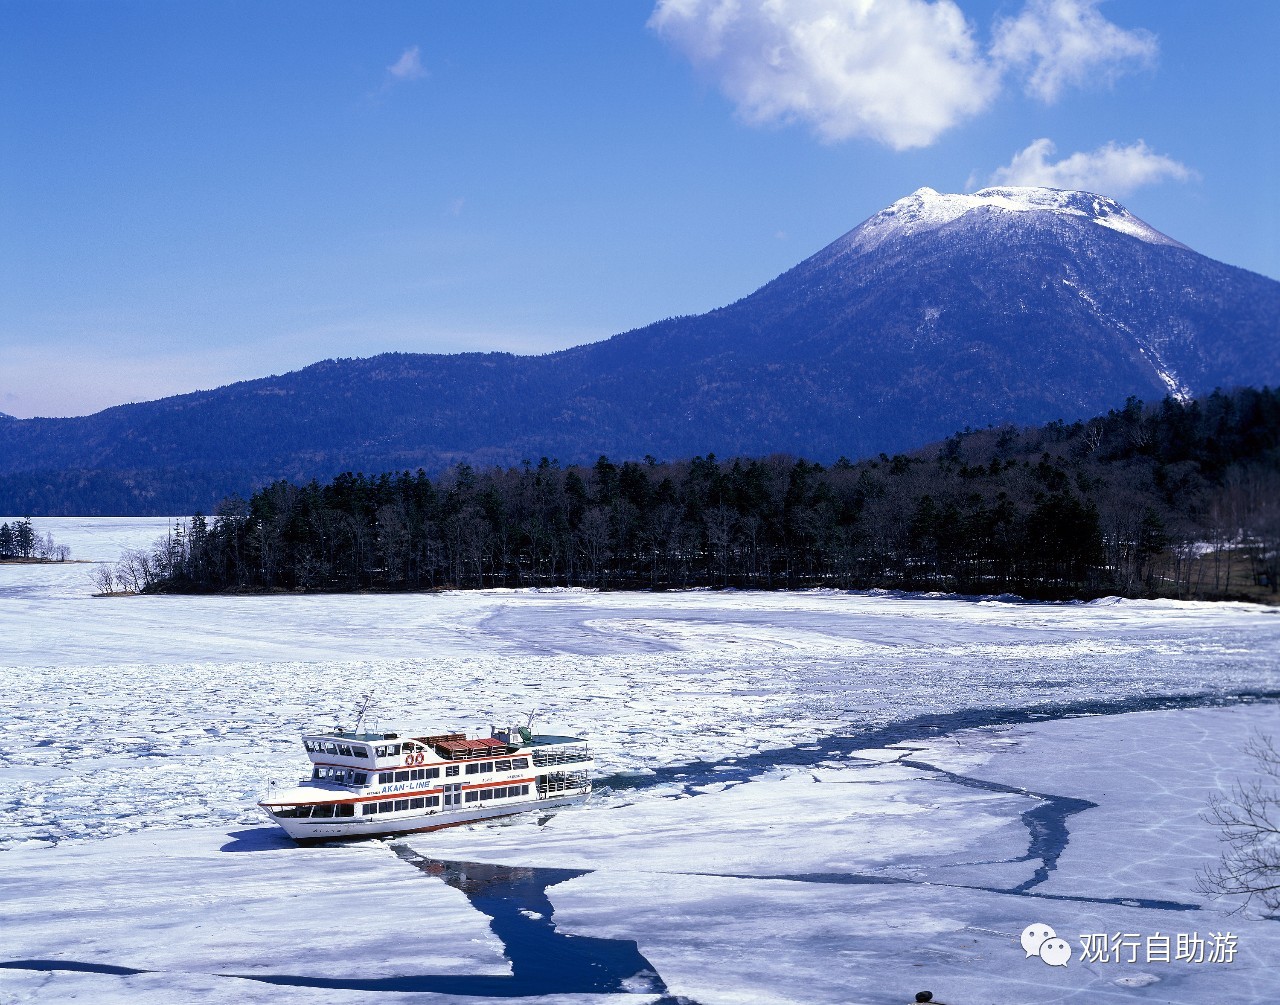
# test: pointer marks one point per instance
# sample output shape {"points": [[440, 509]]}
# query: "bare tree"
{"points": [[1248, 817], [135, 570], [393, 541], [719, 524], [104, 578], [594, 536]]}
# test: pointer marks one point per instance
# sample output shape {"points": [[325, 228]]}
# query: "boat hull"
{"points": [[314, 831]]}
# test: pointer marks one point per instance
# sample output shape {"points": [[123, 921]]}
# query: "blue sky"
{"points": [[192, 194]]}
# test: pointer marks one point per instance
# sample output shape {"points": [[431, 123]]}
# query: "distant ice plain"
{"points": [[136, 716]]}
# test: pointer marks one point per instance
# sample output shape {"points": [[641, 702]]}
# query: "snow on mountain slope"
{"points": [[925, 210]]}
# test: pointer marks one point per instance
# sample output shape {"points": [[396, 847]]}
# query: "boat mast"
{"points": [[366, 700]]}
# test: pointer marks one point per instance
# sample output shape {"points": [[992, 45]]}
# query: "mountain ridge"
{"points": [[939, 312]]}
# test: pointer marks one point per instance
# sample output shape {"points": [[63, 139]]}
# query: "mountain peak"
{"points": [[926, 210]]}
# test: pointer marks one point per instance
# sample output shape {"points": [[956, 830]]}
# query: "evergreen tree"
{"points": [[24, 538]]}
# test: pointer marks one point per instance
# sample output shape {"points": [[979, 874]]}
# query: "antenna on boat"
{"points": [[366, 700]]}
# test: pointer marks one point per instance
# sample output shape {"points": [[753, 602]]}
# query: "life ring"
{"points": [[419, 757]]}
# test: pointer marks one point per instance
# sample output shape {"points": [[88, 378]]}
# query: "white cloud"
{"points": [[1110, 170], [1068, 43], [896, 71], [408, 66], [900, 72]]}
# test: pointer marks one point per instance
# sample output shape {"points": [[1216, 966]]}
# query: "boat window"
{"points": [[518, 763], [402, 776], [417, 804], [344, 750], [330, 748], [322, 811], [402, 804], [500, 793], [472, 796], [433, 800], [360, 778], [315, 773], [385, 807], [393, 750], [451, 771], [386, 776], [345, 810], [524, 790], [431, 772], [486, 793], [487, 766], [473, 768], [501, 765], [382, 751], [368, 809]]}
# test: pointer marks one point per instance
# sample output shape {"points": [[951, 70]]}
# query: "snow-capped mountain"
{"points": [[941, 311], [1075, 294], [925, 210]]}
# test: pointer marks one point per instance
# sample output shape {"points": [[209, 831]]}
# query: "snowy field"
{"points": [[816, 797]]}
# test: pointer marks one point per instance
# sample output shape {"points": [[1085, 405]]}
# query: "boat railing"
{"points": [[562, 783], [560, 755]]}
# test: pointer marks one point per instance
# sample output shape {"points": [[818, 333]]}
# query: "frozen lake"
{"points": [[815, 797]]}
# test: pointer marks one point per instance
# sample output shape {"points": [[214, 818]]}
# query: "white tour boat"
{"points": [[366, 784]]}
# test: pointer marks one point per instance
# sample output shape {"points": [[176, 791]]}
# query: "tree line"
{"points": [[1168, 499], [22, 541]]}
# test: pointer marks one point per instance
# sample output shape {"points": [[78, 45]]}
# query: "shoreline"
{"points": [[1267, 602], [48, 561]]}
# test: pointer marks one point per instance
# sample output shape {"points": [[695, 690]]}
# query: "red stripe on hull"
{"points": [[306, 842]]}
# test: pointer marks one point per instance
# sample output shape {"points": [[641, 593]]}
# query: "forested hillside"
{"points": [[1170, 499], [1008, 306]]}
